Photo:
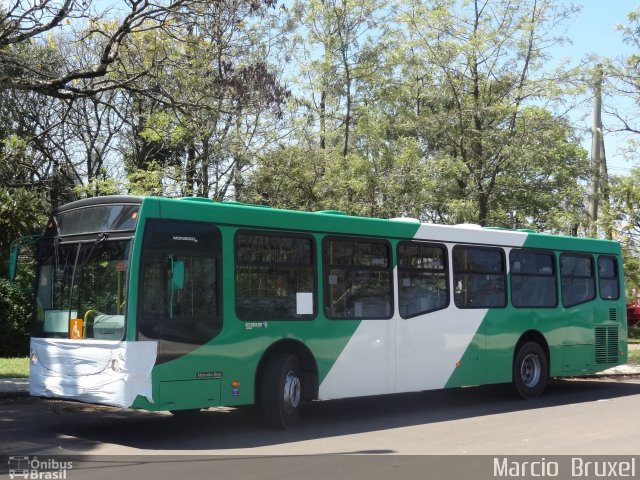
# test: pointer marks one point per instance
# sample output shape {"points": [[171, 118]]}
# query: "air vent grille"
{"points": [[613, 315], [606, 345]]}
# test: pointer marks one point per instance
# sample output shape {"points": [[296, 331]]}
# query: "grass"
{"points": [[634, 356], [14, 367]]}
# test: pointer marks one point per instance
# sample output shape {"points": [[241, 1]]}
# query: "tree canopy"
{"points": [[444, 110]]}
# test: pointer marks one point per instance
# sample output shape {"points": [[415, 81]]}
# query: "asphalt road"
{"points": [[573, 417]]}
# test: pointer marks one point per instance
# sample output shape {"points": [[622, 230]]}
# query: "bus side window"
{"points": [[608, 278], [422, 278], [479, 277], [275, 276], [357, 278], [578, 279], [533, 279]]}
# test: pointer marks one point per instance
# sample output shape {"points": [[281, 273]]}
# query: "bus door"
{"points": [[179, 306]]}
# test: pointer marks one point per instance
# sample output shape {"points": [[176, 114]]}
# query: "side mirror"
{"points": [[31, 241], [13, 260]]}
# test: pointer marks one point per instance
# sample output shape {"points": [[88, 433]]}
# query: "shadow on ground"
{"points": [[35, 425]]}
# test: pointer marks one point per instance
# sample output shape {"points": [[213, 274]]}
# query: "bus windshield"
{"points": [[81, 289]]}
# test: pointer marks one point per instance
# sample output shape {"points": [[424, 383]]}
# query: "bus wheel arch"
{"points": [[275, 355], [531, 362]]}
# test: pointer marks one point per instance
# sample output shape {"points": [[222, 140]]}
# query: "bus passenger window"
{"points": [[578, 279], [533, 279], [608, 277], [479, 277], [357, 279], [422, 278], [275, 276]]}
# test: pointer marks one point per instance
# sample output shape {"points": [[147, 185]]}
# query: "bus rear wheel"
{"points": [[281, 391], [530, 370]]}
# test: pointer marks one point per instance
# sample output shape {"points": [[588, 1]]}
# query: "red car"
{"points": [[633, 314]]}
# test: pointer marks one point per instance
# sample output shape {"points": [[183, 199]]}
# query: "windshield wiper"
{"points": [[101, 240]]}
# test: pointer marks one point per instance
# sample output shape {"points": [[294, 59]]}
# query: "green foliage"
{"points": [[291, 178], [13, 149], [625, 193], [631, 270], [98, 186], [155, 180], [434, 109], [149, 181], [429, 111], [475, 75], [227, 94], [16, 312], [625, 210], [22, 212]]}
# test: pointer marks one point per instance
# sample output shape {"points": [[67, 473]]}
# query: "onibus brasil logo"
{"points": [[36, 469]]}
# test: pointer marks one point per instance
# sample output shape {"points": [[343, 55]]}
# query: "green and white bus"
{"points": [[183, 304]]}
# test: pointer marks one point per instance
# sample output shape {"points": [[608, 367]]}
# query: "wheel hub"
{"points": [[531, 370], [292, 392]]}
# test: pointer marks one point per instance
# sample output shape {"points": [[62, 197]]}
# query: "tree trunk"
{"points": [[190, 170]]}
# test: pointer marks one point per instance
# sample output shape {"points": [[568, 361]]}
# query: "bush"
{"points": [[22, 212], [16, 311]]}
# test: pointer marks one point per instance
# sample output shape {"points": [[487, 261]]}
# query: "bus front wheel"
{"points": [[530, 370], [281, 392]]}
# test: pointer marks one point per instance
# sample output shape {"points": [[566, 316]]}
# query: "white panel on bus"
{"points": [[92, 371], [304, 303]]}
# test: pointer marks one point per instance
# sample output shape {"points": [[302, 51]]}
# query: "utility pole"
{"points": [[599, 174]]}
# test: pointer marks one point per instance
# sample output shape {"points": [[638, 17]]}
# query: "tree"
{"points": [[446, 107], [625, 208], [343, 41], [16, 311], [23, 24], [21, 213], [487, 73], [226, 98], [622, 76]]}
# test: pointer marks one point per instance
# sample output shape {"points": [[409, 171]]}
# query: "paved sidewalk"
{"points": [[19, 387]]}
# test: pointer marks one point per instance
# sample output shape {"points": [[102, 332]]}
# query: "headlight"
{"points": [[34, 357], [115, 364]]}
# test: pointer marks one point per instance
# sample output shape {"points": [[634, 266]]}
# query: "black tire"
{"points": [[530, 370], [281, 391]]}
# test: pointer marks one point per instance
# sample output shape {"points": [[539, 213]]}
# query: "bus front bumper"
{"points": [[92, 371]]}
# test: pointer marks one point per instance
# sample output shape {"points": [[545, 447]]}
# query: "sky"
{"points": [[594, 32]]}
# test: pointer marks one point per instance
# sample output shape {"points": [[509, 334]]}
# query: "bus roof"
{"points": [[336, 222], [93, 201]]}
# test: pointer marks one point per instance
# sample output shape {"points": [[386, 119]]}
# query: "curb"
{"points": [[14, 394], [633, 370], [612, 374], [14, 387]]}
